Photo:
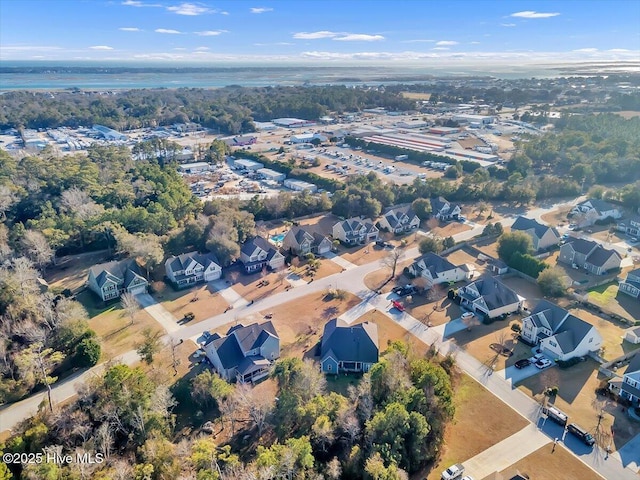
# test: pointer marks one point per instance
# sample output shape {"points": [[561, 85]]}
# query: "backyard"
{"points": [[608, 298], [71, 271], [611, 331]]}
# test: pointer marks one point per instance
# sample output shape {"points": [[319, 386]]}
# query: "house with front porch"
{"points": [[631, 226], [257, 253], [444, 210], [631, 284], [348, 348], [112, 279], [300, 241], [355, 231], [399, 219], [192, 268], [244, 354], [489, 297], [560, 334], [591, 210], [436, 269]]}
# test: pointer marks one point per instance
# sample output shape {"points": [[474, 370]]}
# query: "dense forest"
{"points": [[229, 110], [389, 423]]}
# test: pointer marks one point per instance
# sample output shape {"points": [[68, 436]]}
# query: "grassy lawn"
{"points": [[113, 327], [201, 300], [473, 430], [544, 465], [577, 398], [604, 294], [611, 300]]}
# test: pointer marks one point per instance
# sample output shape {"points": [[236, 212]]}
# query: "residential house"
{"points": [[592, 210], [257, 252], [630, 387], [244, 354], [542, 236], [631, 284], [110, 280], [348, 348], [355, 231], [443, 210], [437, 269], [490, 297], [560, 334], [300, 241], [399, 219], [632, 335], [630, 226], [191, 268], [589, 255]]}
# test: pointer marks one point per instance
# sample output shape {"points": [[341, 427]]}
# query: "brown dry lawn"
{"points": [[247, 285], [416, 95], [112, 325], [71, 271], [202, 301], [375, 280], [299, 323], [448, 229], [432, 312], [490, 248], [611, 331], [557, 217], [628, 114], [161, 369], [462, 256], [479, 340], [577, 398], [471, 421], [327, 267], [544, 465], [362, 254]]}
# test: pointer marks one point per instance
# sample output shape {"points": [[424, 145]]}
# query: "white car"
{"points": [[467, 315], [543, 363]]}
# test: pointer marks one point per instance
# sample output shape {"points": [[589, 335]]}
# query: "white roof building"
{"points": [[300, 185]]}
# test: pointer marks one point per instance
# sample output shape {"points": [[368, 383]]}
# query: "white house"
{"points": [[632, 335], [489, 297], [631, 284], [399, 219], [443, 210], [257, 252], [592, 210], [110, 280], [542, 236], [437, 269], [560, 334], [630, 226], [191, 268], [355, 231], [244, 354], [301, 241]]}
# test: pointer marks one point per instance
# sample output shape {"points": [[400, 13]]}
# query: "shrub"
{"points": [[568, 363], [87, 352], [516, 328]]}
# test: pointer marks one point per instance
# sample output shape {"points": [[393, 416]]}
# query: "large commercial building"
{"points": [[272, 175], [196, 167], [109, 133], [300, 185], [307, 138], [470, 118], [292, 122], [246, 164]]}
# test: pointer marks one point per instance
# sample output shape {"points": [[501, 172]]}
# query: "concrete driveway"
{"points": [[516, 375]]}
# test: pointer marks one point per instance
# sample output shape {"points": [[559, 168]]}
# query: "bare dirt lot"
{"points": [[202, 301], [472, 430], [71, 271], [250, 286], [557, 217], [577, 398], [544, 465]]}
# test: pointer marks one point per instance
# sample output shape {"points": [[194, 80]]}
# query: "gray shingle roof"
{"points": [[601, 255], [552, 313], [123, 272], [495, 293], [599, 205], [240, 339], [524, 224], [434, 263], [250, 246], [634, 365], [571, 333], [581, 245], [182, 261], [350, 343]]}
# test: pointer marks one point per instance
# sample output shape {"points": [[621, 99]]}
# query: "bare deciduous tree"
{"points": [[130, 306], [258, 407], [7, 199], [392, 258], [37, 248]]}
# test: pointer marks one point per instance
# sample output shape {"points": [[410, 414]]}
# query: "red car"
{"points": [[398, 305]]}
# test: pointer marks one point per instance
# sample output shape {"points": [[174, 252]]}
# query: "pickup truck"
{"points": [[453, 472]]}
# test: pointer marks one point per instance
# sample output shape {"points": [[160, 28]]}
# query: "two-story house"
{"points": [[542, 236], [301, 241], [110, 280], [355, 231], [443, 210], [257, 252], [631, 284], [437, 270], [244, 354], [592, 210], [191, 268], [489, 297], [399, 219], [589, 255], [348, 348], [630, 387], [630, 226], [560, 334]]}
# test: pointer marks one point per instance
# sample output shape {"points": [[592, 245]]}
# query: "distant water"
{"points": [[87, 76]]}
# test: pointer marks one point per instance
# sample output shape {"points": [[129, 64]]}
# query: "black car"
{"points": [[582, 434], [525, 362], [404, 291]]}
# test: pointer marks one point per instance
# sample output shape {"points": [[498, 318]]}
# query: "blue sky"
{"points": [[346, 31]]}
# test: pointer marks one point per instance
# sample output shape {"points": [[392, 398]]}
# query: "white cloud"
{"points": [[359, 37], [619, 50], [210, 33], [202, 49], [167, 30], [315, 35], [441, 48], [179, 49], [130, 29], [443, 43], [585, 50], [138, 3], [189, 9], [474, 43], [101, 47], [273, 44], [261, 10], [419, 40], [507, 24], [532, 14]]}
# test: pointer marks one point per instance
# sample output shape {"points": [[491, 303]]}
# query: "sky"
{"points": [[314, 31]]}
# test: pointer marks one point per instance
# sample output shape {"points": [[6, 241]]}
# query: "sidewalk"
{"points": [[346, 264], [232, 297], [158, 312]]}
